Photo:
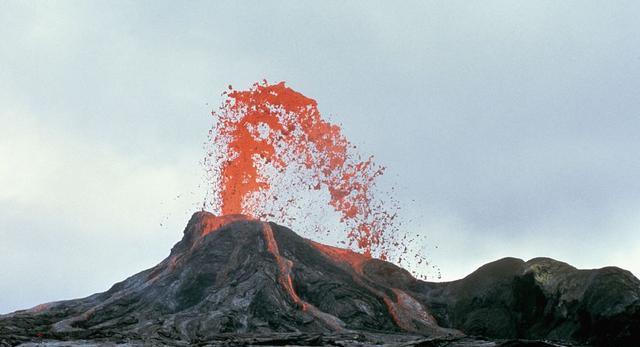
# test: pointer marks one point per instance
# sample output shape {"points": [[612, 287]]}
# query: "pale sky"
{"points": [[510, 128]]}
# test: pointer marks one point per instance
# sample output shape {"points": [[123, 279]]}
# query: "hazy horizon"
{"points": [[508, 128]]}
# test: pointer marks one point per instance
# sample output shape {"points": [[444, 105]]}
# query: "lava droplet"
{"points": [[271, 152]]}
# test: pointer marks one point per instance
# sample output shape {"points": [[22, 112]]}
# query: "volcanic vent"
{"points": [[236, 280], [238, 275]]}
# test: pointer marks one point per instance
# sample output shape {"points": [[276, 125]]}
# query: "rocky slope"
{"points": [[232, 280]]}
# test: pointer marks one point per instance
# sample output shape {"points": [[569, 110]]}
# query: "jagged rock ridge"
{"points": [[231, 276]]}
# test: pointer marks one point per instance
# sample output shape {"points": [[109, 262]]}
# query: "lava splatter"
{"points": [[271, 152]]}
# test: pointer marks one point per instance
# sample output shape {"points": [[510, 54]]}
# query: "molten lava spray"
{"points": [[271, 153]]}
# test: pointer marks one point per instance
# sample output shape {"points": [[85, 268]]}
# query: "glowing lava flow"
{"points": [[284, 277], [284, 266], [407, 312], [270, 153]]}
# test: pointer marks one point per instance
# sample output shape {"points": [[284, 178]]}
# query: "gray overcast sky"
{"points": [[513, 125]]}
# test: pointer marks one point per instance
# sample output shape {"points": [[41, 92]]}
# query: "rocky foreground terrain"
{"points": [[235, 281]]}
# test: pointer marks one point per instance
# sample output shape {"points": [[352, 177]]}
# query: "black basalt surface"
{"points": [[231, 283]]}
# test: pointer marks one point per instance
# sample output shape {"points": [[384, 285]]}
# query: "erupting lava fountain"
{"points": [[271, 155]]}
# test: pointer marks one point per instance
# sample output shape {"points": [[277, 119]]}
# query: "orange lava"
{"points": [[269, 129], [284, 266], [213, 223], [341, 255], [284, 278], [407, 313], [355, 262]]}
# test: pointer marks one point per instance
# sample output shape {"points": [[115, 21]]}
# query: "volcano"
{"points": [[233, 280]]}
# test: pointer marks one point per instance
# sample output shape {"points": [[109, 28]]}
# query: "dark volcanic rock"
{"points": [[233, 281], [541, 299]]}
